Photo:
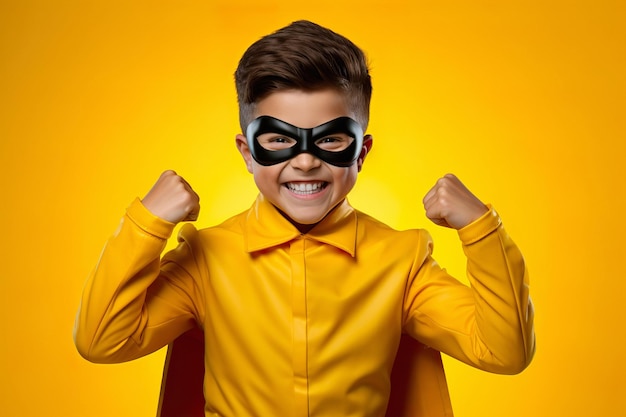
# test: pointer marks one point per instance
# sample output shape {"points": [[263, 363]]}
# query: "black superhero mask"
{"points": [[337, 142]]}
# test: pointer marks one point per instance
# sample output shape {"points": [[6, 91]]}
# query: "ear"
{"points": [[368, 142], [244, 150]]}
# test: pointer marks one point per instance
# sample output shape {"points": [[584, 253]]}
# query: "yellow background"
{"points": [[524, 100]]}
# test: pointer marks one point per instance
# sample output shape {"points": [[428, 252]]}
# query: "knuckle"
{"points": [[442, 193]]}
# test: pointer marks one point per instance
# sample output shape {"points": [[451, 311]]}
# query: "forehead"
{"points": [[304, 109]]}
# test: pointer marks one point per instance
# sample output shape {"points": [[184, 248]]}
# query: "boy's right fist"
{"points": [[172, 199]]}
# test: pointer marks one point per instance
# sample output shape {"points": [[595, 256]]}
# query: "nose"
{"points": [[305, 162]]}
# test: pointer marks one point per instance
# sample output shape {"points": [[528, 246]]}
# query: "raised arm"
{"points": [[130, 308], [490, 325]]}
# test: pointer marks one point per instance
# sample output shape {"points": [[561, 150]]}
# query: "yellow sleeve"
{"points": [[129, 308], [490, 325]]}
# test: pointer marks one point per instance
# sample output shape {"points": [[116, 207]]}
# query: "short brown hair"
{"points": [[303, 56]]}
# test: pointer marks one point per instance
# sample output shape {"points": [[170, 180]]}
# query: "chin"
{"points": [[304, 221]]}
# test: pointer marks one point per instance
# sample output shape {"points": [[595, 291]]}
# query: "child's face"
{"points": [[304, 187]]}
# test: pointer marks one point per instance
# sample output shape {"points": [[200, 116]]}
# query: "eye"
{"points": [[275, 142], [334, 143]]}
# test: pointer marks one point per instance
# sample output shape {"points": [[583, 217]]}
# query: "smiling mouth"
{"points": [[306, 188]]}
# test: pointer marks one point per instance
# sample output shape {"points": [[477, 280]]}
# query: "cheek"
{"points": [[346, 178], [265, 175]]}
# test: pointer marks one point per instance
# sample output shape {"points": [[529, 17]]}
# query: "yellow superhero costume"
{"points": [[304, 324]]}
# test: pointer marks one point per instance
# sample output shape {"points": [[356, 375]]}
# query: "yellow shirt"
{"points": [[304, 324]]}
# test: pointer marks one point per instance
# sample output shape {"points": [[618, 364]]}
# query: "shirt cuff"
{"points": [[480, 227], [148, 222]]}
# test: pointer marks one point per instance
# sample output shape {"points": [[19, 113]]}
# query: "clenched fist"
{"points": [[449, 203], [172, 199]]}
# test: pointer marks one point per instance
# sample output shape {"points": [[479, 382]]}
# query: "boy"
{"points": [[302, 299]]}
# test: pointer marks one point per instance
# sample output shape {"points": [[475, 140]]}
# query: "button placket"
{"points": [[299, 311]]}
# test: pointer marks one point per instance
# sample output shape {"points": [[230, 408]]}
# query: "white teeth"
{"points": [[308, 188]]}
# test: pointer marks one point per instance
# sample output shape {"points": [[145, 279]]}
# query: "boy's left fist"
{"points": [[450, 204]]}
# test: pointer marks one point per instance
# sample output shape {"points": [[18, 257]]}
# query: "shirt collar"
{"points": [[265, 227]]}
